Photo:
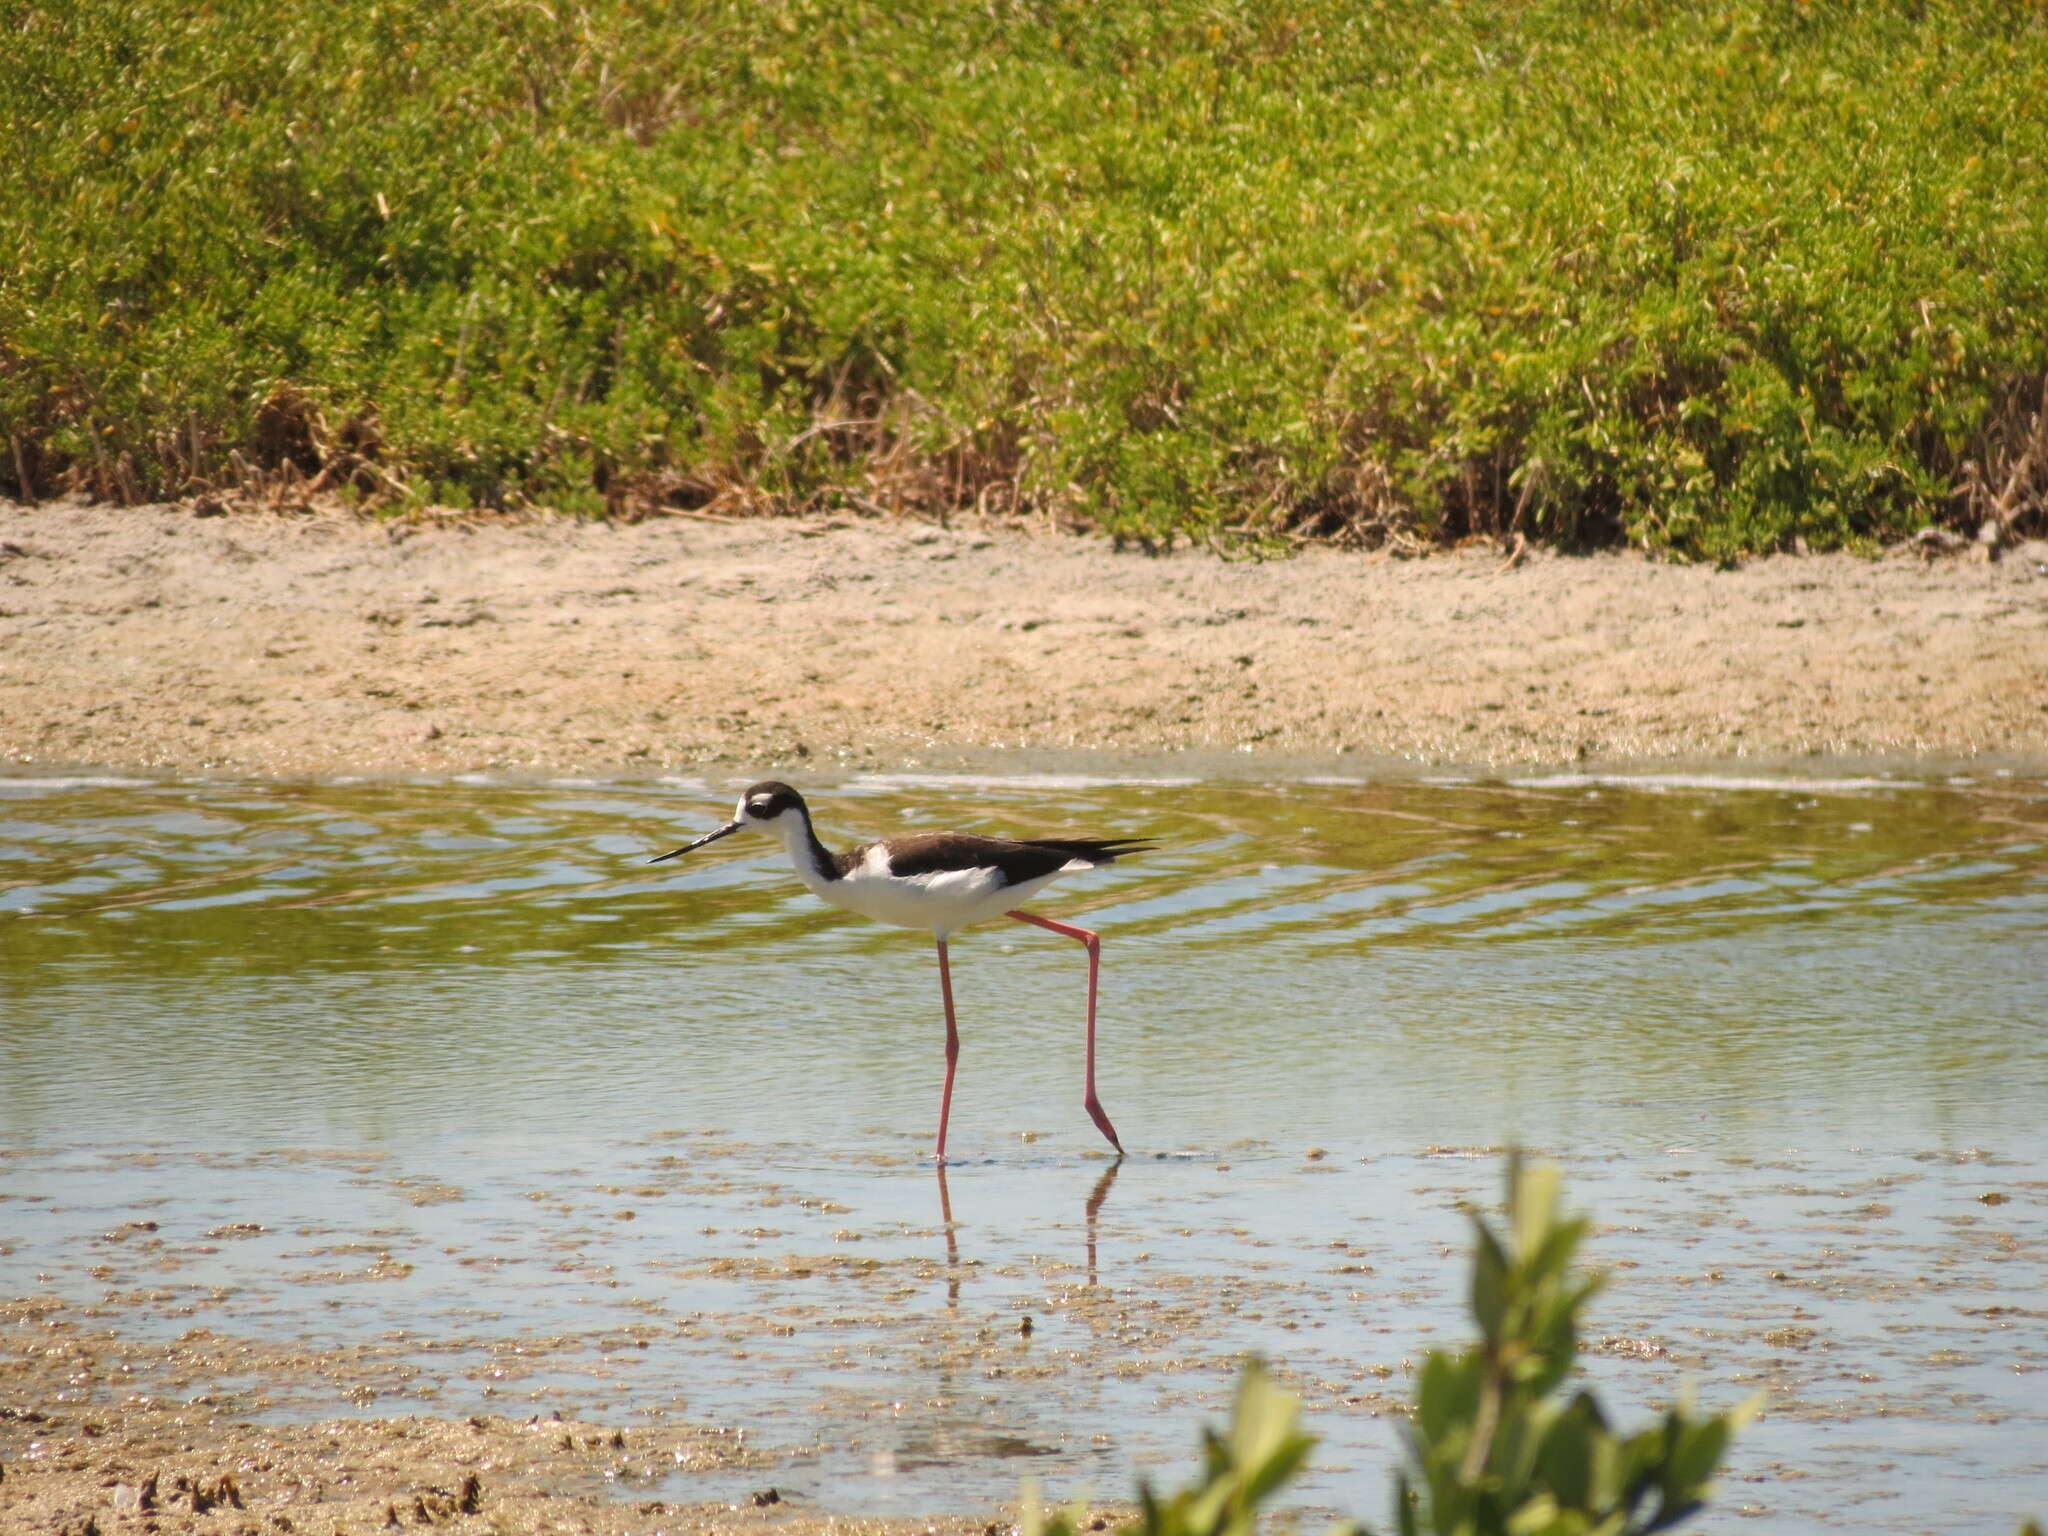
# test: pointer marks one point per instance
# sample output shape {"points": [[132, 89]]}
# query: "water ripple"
{"points": [[1456, 955]]}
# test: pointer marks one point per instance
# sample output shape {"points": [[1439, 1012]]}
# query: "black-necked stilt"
{"points": [[937, 880]]}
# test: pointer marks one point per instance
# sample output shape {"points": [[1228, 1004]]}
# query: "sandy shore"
{"points": [[153, 638], [185, 1468]]}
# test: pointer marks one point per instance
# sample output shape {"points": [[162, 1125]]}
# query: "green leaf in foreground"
{"points": [[1494, 1446], [1243, 1467], [1496, 1449]]}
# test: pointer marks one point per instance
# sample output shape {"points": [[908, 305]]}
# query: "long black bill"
{"points": [[708, 837]]}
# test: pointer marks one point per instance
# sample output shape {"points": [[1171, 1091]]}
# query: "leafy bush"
{"points": [[1708, 278], [1494, 1449], [1241, 1470], [1494, 1446]]}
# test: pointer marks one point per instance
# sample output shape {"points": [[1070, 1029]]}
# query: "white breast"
{"points": [[941, 901]]}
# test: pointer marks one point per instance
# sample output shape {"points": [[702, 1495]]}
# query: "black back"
{"points": [[1016, 859]]}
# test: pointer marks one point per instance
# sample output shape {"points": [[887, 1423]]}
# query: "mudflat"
{"points": [[313, 644]]}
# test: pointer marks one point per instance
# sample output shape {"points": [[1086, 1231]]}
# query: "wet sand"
{"points": [[187, 1467], [1883, 1317], [152, 638], [128, 1413]]}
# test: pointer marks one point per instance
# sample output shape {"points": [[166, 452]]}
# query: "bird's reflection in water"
{"points": [[952, 1239], [1097, 1198]]}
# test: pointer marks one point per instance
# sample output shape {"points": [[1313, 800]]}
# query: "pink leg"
{"points": [[1094, 943], [952, 1053]]}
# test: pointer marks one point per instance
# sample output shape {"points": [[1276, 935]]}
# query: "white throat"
{"points": [[794, 828]]}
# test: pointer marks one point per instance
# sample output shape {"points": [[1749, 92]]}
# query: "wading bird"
{"points": [[937, 880]]}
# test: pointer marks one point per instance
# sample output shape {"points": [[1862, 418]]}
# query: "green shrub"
{"points": [[1495, 1449], [1241, 1469], [1708, 278]]}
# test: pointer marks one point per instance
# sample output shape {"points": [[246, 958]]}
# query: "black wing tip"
{"points": [[1100, 850]]}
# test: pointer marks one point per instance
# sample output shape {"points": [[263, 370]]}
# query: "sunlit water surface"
{"points": [[447, 1074]]}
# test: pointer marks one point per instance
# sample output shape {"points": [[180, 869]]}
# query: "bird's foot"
{"points": [[1102, 1124]]}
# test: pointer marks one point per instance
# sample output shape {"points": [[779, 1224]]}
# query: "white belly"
{"points": [[942, 902]]}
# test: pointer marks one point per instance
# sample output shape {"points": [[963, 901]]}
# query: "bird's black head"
{"points": [[766, 801]]}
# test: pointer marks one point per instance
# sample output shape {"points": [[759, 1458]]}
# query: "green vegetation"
{"points": [[1495, 1448], [1711, 278]]}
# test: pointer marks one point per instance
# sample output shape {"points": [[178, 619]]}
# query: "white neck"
{"points": [[813, 864]]}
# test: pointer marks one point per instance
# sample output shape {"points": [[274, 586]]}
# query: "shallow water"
{"points": [[389, 1065]]}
